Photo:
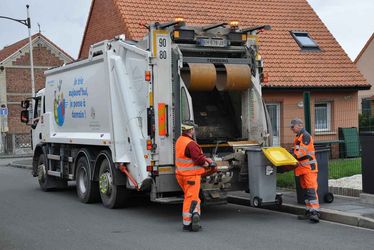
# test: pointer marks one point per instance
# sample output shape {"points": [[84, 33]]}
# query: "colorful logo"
{"points": [[59, 106]]}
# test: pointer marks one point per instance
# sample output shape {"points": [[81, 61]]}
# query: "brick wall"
{"points": [[41, 56], [104, 23], [344, 111], [18, 83], [19, 80]]}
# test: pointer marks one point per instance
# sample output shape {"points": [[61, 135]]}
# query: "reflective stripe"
{"points": [[186, 222], [308, 162], [313, 202], [301, 147], [197, 209], [313, 209], [188, 168], [184, 160], [186, 214], [301, 154]]}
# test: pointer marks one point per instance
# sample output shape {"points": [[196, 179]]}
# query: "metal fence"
{"points": [[17, 144]]}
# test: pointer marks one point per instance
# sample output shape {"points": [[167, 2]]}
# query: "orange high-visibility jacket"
{"points": [[183, 164], [304, 152]]}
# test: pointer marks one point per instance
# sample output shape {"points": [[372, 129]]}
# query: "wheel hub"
{"points": [[83, 180], [105, 183], [41, 172]]}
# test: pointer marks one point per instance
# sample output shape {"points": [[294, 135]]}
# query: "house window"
{"points": [[366, 106], [304, 40], [322, 116]]}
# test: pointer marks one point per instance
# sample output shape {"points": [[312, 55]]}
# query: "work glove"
{"points": [[209, 160], [212, 164]]}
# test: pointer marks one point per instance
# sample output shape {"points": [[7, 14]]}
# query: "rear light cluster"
{"points": [[152, 169], [149, 145], [148, 76]]}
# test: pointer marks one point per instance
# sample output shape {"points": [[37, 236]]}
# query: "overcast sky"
{"points": [[63, 21]]}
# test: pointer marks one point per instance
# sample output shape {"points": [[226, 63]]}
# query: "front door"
{"points": [[274, 113]]}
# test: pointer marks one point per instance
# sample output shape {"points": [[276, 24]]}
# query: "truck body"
{"points": [[110, 121]]}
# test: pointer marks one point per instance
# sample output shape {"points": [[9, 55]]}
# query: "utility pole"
{"points": [[31, 56]]}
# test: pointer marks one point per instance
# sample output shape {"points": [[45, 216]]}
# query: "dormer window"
{"points": [[304, 40]]}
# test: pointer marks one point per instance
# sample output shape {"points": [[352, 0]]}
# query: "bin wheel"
{"points": [[278, 200], [256, 202], [328, 198]]}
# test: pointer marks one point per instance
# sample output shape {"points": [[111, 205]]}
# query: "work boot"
{"points": [[195, 225], [305, 216], [187, 228], [314, 217]]}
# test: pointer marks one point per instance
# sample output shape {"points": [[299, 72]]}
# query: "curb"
{"points": [[345, 191], [18, 165], [326, 214], [16, 156]]}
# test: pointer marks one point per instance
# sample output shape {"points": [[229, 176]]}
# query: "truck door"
{"points": [[38, 122]]}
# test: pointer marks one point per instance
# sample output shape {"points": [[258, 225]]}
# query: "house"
{"points": [[15, 82], [300, 54], [364, 62]]}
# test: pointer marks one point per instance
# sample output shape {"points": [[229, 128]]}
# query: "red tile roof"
{"points": [[286, 65], [11, 49]]}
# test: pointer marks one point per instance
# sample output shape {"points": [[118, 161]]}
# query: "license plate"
{"points": [[212, 42]]}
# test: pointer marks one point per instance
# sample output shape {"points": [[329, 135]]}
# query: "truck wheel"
{"points": [[47, 182], [87, 190], [112, 196]]}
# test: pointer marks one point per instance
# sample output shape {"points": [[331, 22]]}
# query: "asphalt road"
{"points": [[32, 219]]}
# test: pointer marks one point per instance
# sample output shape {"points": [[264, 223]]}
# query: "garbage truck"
{"points": [[110, 122]]}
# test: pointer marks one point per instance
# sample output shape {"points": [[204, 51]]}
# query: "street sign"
{"points": [[3, 111]]}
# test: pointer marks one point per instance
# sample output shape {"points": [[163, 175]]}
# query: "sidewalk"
{"points": [[345, 210]]}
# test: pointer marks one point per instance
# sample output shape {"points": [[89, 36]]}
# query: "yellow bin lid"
{"points": [[279, 156]]}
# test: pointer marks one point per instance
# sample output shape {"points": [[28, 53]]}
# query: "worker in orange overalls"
{"points": [[307, 169], [191, 164]]}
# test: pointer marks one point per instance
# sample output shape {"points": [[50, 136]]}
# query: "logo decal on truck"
{"points": [[59, 105]]}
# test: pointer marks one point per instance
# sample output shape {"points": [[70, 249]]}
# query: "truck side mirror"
{"points": [[25, 104], [25, 116]]}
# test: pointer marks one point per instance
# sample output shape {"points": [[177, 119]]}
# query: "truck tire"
{"points": [[112, 196], [47, 182], [87, 190]]}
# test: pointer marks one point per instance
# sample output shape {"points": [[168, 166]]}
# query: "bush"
{"points": [[366, 122]]}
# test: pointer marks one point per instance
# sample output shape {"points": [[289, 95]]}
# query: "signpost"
{"points": [[3, 111], [3, 125]]}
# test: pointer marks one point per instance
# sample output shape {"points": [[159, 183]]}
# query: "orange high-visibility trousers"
{"points": [[309, 184], [190, 185]]}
